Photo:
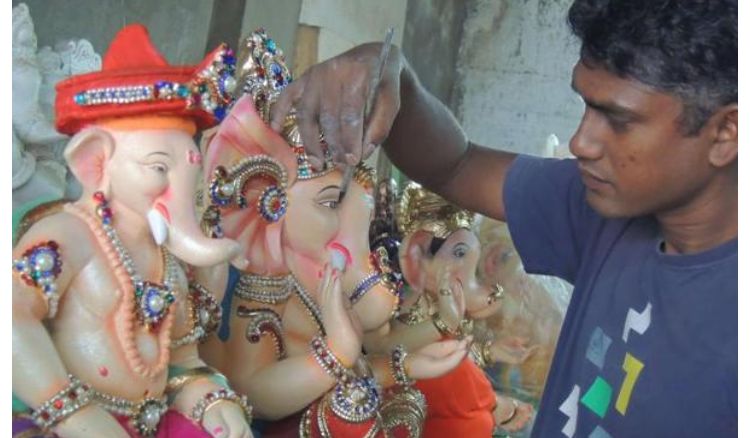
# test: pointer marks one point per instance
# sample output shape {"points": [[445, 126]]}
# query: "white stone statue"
{"points": [[39, 170]]}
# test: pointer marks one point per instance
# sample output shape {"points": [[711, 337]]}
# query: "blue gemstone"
{"points": [[183, 91], [271, 45], [228, 59], [161, 84], [80, 99], [275, 69], [220, 112], [20, 266]]}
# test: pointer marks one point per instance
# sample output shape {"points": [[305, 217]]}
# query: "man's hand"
{"points": [[330, 98]]}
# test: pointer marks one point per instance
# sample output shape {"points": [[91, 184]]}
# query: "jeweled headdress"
{"points": [[263, 74], [421, 209], [136, 80]]}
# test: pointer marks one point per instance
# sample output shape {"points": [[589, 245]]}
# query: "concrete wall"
{"points": [[346, 23], [514, 68], [179, 29], [432, 36], [279, 18]]}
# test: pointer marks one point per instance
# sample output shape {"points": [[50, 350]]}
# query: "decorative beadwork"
{"points": [[39, 267], [263, 322], [272, 203], [357, 400], [210, 89], [63, 404], [310, 305], [211, 222], [364, 286], [329, 362], [152, 300], [262, 289], [264, 75], [227, 187], [213, 397], [144, 415], [398, 366], [205, 313], [381, 258]]}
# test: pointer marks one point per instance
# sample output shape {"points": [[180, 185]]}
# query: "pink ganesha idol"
{"points": [[104, 320], [292, 340]]}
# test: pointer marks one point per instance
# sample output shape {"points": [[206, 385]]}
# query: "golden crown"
{"points": [[420, 209], [263, 74]]}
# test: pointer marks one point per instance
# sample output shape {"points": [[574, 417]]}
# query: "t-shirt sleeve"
{"points": [[547, 214]]}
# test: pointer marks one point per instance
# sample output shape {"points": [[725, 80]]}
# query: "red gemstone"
{"points": [[52, 244], [44, 415], [72, 395], [98, 196], [58, 404]]}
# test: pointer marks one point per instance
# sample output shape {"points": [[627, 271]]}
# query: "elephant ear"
{"points": [[87, 155], [413, 252], [249, 157]]}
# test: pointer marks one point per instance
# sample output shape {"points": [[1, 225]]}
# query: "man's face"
{"points": [[633, 156]]}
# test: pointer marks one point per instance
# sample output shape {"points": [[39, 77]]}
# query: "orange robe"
{"points": [[459, 404]]}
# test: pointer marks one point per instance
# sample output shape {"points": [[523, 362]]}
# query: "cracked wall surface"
{"points": [[513, 75]]}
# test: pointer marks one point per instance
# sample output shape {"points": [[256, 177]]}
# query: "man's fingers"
{"points": [[351, 118], [329, 120], [285, 102], [384, 113], [309, 130]]}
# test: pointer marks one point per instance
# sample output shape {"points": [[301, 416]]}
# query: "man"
{"points": [[643, 223]]}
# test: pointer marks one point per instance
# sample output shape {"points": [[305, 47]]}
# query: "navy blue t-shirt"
{"points": [[649, 343]]}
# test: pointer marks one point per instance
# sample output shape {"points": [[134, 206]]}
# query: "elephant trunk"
{"points": [[183, 237]]}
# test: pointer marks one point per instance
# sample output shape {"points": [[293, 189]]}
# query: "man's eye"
{"points": [[618, 125], [459, 252]]}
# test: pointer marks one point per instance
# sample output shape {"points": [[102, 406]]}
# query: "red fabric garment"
{"points": [[459, 404], [131, 60], [172, 425]]}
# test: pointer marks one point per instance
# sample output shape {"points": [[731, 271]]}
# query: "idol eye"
{"points": [[159, 167], [459, 251], [330, 204]]}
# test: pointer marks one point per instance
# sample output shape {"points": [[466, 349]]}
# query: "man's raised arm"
{"points": [[419, 134]]}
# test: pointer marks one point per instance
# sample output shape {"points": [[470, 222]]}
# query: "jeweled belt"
{"points": [[144, 415]]}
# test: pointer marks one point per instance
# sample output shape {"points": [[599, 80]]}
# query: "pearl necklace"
{"points": [[153, 300], [125, 317]]}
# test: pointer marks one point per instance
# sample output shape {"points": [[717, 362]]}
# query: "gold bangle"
{"points": [[176, 383], [487, 353], [512, 414], [443, 328]]}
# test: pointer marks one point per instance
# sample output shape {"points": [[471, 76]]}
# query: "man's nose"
{"points": [[586, 143]]}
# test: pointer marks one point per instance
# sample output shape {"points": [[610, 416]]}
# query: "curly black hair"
{"points": [[687, 48]]}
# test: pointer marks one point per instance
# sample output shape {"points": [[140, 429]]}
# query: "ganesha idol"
{"points": [[104, 319], [438, 257], [294, 316]]}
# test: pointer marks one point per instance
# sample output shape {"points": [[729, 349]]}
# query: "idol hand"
{"points": [[343, 330]]}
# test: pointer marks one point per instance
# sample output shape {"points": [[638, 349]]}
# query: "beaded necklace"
{"points": [[141, 301]]}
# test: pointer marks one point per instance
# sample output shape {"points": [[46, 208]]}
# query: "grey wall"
{"points": [[279, 18], [178, 28], [432, 35], [514, 69]]}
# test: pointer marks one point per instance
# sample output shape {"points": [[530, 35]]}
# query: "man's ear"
{"points": [[724, 150], [413, 256], [87, 154]]}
